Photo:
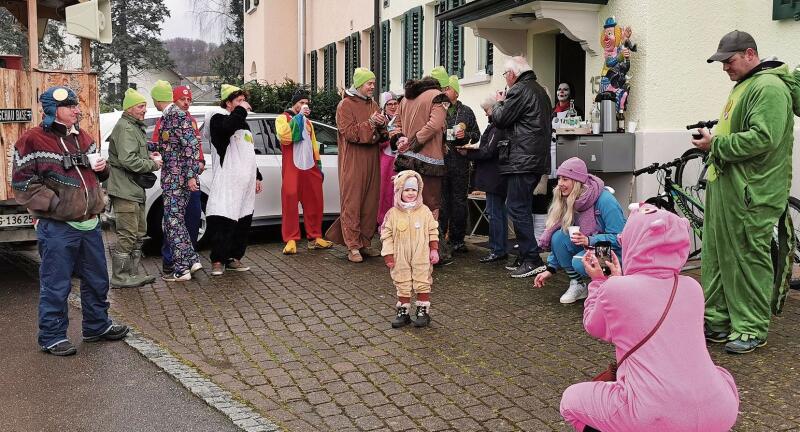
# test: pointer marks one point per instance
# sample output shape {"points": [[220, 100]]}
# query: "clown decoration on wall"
{"points": [[617, 48]]}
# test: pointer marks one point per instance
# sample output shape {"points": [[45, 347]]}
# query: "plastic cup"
{"points": [[94, 158], [157, 158], [574, 229], [631, 127]]}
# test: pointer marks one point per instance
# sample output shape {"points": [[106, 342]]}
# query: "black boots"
{"points": [[403, 318], [422, 318]]}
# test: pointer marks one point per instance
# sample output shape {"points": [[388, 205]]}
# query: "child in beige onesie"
{"points": [[410, 239]]}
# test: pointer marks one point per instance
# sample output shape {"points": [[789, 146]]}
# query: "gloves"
{"points": [[541, 188], [434, 256], [389, 260]]}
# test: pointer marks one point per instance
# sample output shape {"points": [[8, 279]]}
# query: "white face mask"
{"points": [[563, 92]]}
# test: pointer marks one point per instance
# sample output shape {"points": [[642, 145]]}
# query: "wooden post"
{"points": [[33, 35], [86, 54]]}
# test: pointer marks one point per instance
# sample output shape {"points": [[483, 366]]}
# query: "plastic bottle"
{"points": [[572, 114], [596, 118]]}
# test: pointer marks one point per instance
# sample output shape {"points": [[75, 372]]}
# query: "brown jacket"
{"points": [[422, 118]]}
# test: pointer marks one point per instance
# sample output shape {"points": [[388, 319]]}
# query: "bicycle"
{"points": [[682, 185]]}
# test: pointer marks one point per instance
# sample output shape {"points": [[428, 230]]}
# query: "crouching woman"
{"points": [[668, 382]]}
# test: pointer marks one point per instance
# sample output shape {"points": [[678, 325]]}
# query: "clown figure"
{"points": [[615, 43]]}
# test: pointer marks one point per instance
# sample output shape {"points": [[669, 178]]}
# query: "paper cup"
{"points": [[631, 127], [94, 158], [157, 158], [574, 229]]}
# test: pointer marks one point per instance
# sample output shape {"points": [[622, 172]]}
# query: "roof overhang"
{"points": [[506, 23]]}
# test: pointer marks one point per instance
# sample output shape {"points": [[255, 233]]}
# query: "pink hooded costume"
{"points": [[670, 383], [387, 165]]}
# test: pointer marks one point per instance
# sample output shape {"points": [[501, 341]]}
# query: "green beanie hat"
{"points": [[453, 84], [161, 92], [132, 98], [361, 76], [440, 74], [226, 90]]}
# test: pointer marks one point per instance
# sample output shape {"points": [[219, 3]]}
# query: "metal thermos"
{"points": [[608, 116]]}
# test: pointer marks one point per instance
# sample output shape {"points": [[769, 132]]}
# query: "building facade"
{"points": [[671, 83]]}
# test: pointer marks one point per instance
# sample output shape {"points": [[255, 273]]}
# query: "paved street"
{"points": [[106, 387], [305, 340]]}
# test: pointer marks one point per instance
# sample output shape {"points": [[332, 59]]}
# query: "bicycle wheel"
{"points": [[794, 215], [690, 177]]}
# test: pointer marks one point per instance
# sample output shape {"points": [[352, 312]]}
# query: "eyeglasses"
{"points": [[392, 103], [506, 73]]}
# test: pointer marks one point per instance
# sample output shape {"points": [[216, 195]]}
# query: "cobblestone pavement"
{"points": [[306, 341]]}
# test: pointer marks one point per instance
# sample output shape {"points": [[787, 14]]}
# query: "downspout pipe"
{"points": [[376, 53], [301, 41]]}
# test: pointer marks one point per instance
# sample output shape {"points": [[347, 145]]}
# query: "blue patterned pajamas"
{"points": [[175, 231]]}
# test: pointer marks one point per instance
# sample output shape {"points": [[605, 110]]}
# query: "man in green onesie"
{"points": [[749, 178]]}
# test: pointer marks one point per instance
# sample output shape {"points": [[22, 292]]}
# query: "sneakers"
{"points": [[403, 318], [319, 243], [444, 261], [195, 267], [167, 268], [458, 247], [237, 266], [422, 317], [61, 349], [577, 290], [114, 332], [741, 346], [355, 256], [513, 265], [290, 248], [183, 276], [528, 269], [715, 336], [217, 269]]}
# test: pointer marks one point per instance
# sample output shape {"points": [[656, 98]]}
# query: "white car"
{"points": [[268, 157]]}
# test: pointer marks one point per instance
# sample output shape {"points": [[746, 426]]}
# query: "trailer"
{"points": [[20, 88]]}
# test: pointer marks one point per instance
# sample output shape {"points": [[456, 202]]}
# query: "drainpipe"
{"points": [[301, 41], [377, 49]]}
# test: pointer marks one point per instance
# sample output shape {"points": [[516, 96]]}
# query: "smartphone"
{"points": [[602, 250]]}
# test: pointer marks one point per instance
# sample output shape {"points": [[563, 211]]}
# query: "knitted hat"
{"points": [[53, 98], [440, 74], [386, 97], [300, 94], [227, 90], [161, 92], [454, 84], [411, 183], [132, 98], [180, 92], [361, 76], [574, 169]]}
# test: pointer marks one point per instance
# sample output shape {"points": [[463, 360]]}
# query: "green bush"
{"points": [[277, 97]]}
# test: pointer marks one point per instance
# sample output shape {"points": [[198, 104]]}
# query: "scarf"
{"points": [[584, 211]]}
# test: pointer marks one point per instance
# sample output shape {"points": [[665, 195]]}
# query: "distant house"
{"points": [[143, 81]]}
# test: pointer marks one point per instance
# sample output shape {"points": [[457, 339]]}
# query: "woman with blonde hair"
{"points": [[583, 213]]}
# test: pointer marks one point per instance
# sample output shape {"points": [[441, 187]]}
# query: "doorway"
{"points": [[571, 68]]}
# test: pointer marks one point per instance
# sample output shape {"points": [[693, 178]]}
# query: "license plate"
{"points": [[16, 220]]}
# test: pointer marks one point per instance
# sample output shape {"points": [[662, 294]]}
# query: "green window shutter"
{"points": [[372, 49], [385, 29], [329, 56], [356, 50], [412, 49], [451, 41], [313, 71], [348, 61], [785, 9], [489, 58]]}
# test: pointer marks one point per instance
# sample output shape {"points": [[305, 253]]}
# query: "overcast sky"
{"points": [[183, 23]]}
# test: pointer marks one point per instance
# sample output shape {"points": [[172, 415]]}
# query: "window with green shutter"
{"points": [[372, 48], [384, 72], [329, 60], [313, 68], [352, 57], [451, 40], [412, 44], [489, 58], [785, 9]]}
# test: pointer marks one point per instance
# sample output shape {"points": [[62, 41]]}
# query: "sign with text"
{"points": [[15, 115]]}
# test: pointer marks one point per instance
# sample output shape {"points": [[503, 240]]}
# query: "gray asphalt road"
{"points": [[105, 387]]}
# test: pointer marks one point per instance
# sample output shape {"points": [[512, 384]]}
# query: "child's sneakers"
{"points": [[422, 316], [577, 290], [403, 318]]}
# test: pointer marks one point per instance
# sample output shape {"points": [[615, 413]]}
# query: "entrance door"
{"points": [[571, 68]]}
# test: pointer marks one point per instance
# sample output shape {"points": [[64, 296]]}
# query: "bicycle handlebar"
{"points": [[655, 166]]}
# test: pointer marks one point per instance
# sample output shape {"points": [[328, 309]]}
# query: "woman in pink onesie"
{"points": [[670, 382], [389, 103]]}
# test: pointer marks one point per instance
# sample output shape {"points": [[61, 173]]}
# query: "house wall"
{"points": [[271, 41]]}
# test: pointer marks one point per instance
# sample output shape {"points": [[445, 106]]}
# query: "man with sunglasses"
{"points": [[749, 177], [55, 180]]}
